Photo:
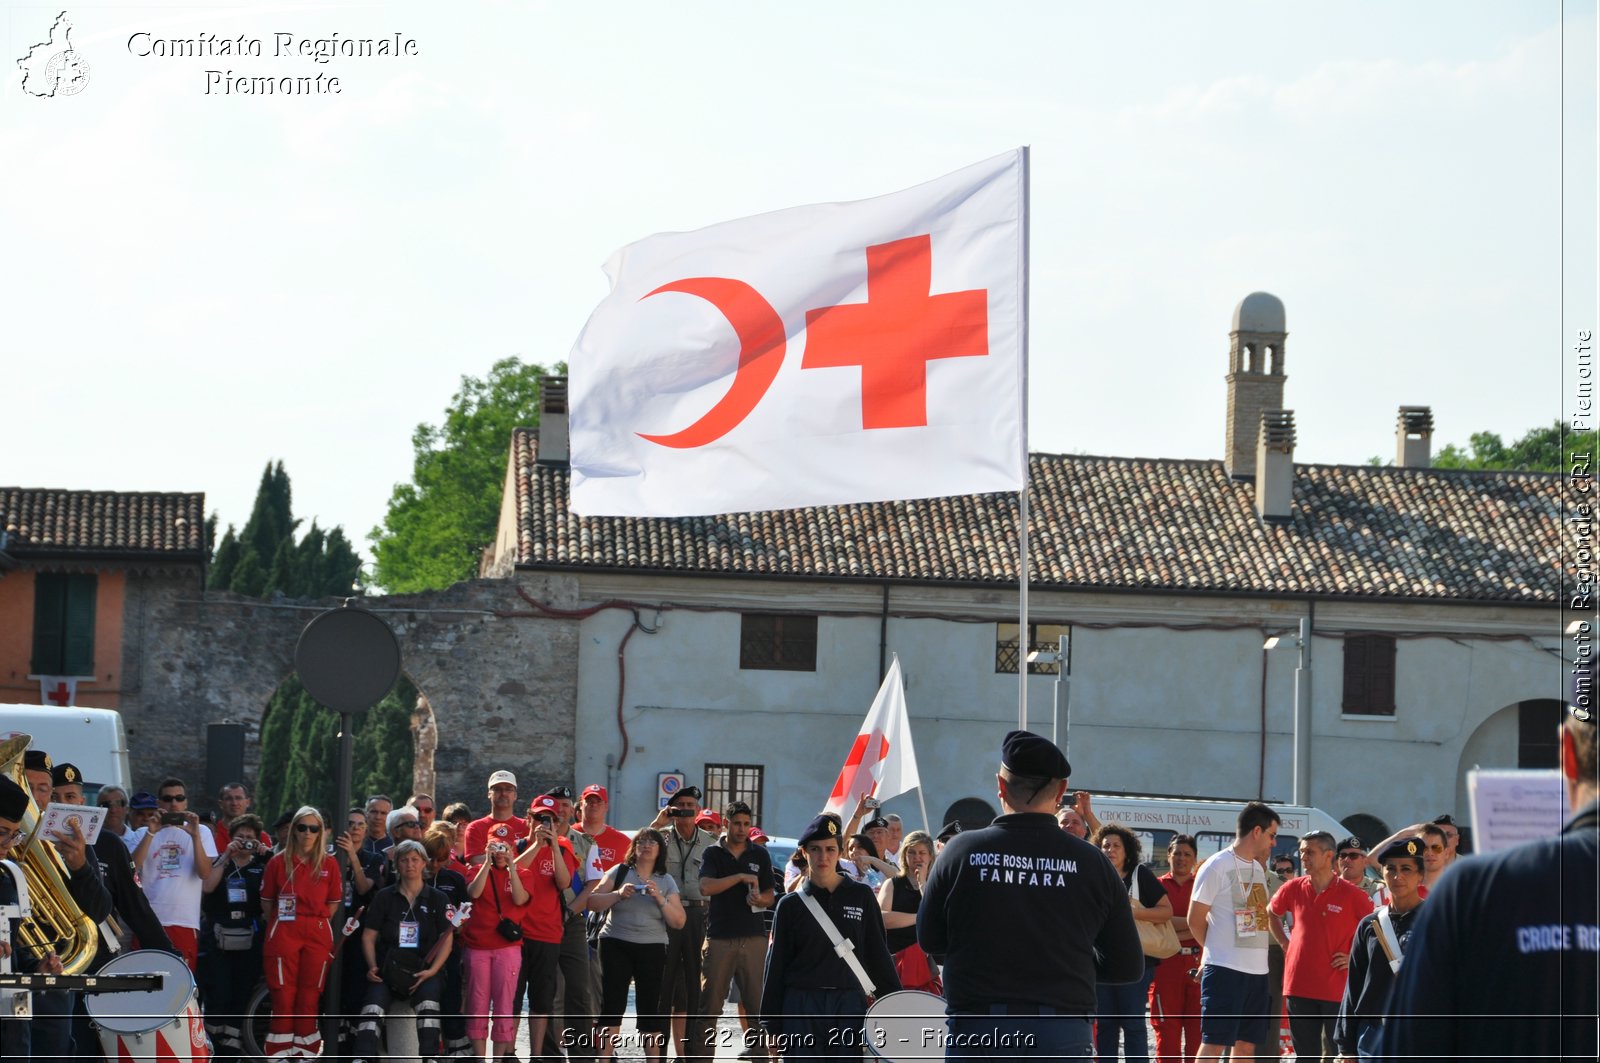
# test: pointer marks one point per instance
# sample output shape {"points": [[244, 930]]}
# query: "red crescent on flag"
{"points": [[761, 346]]}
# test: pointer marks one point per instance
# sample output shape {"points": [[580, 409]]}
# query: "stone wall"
{"points": [[502, 682]]}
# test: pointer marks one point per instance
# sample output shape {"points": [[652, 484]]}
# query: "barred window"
{"points": [[778, 641], [1369, 675], [1042, 637], [727, 783]]}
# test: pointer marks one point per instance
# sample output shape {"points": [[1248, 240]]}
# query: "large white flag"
{"points": [[881, 761], [841, 352]]}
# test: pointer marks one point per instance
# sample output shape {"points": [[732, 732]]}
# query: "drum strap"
{"points": [[843, 948], [1388, 940]]}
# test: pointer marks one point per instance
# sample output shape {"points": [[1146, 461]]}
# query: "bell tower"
{"points": [[1255, 377]]}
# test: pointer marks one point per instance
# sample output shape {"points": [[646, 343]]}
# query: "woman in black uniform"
{"points": [[230, 968], [811, 998]]}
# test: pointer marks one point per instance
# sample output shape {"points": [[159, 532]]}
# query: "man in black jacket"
{"points": [[1018, 911], [1505, 959]]}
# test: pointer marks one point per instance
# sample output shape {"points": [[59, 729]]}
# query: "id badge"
{"points": [[236, 893], [409, 937], [349, 892], [1244, 923], [286, 908]]}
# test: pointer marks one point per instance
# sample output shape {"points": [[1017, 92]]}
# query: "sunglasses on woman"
{"points": [[308, 828]]}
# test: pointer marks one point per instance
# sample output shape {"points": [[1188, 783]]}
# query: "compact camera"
{"points": [[173, 819], [499, 847], [681, 813], [248, 847], [869, 802], [545, 821]]}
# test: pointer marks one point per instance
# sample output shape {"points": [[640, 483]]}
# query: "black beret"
{"points": [[1404, 849], [1026, 753], [687, 791], [875, 823], [562, 792], [35, 760], [949, 830], [1351, 842], [825, 826], [66, 775], [13, 800]]}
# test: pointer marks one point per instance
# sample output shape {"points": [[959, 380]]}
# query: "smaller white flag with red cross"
{"points": [[820, 355], [881, 761], [59, 690]]}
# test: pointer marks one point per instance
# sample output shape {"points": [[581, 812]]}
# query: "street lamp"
{"points": [[1302, 707], [1061, 711]]}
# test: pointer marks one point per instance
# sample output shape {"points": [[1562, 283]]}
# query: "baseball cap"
{"points": [[599, 791], [708, 818], [142, 800], [543, 803], [503, 777], [758, 835]]}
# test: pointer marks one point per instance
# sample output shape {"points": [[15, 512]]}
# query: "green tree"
{"points": [[438, 524], [299, 738], [1546, 449]]}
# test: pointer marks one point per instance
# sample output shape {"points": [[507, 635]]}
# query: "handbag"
{"points": [[507, 927], [399, 971], [233, 938], [1159, 940]]}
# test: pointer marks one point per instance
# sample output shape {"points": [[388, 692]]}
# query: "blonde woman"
{"points": [[300, 891], [899, 898]]}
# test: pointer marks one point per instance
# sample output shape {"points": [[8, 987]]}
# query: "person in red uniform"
{"points": [[1316, 962], [611, 842], [1175, 993], [501, 825], [300, 891]]}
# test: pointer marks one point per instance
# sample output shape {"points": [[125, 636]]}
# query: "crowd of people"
{"points": [[1045, 932]]}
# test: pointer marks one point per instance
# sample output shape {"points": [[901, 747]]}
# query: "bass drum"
{"points": [[157, 1024], [905, 1027]]}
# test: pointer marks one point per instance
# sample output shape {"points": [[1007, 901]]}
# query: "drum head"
{"points": [[908, 1025], [139, 1012]]}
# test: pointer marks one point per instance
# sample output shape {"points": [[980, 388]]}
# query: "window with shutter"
{"points": [[63, 624], [1369, 675]]}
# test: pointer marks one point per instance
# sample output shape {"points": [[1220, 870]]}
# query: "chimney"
{"points": [[1413, 438], [1275, 466], [1255, 377], [553, 420]]}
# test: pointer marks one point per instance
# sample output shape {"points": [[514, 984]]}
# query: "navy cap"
{"points": [[875, 823], [825, 826], [142, 800], [1026, 753], [13, 800], [1404, 849], [36, 760], [949, 830], [66, 775], [1351, 842]]}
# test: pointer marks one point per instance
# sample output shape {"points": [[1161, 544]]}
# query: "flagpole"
{"points": [[1022, 496]]}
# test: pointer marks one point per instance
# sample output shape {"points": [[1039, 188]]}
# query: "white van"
{"points": [[93, 739], [1214, 824]]}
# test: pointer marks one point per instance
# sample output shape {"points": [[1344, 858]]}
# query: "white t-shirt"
{"points": [[168, 877], [1236, 927]]}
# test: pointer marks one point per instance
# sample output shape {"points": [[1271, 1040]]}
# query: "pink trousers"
{"points": [[489, 983]]}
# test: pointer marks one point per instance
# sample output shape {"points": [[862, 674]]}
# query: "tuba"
{"points": [[57, 924]]}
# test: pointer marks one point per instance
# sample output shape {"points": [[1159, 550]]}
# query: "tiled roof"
{"points": [[39, 522], [1111, 524]]}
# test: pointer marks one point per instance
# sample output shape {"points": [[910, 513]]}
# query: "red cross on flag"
{"points": [[58, 690], [881, 761], [820, 355]]}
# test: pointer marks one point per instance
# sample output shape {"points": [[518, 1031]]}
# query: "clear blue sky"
{"points": [[197, 284]]}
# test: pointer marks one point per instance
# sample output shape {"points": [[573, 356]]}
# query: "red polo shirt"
{"points": [[1324, 923], [612, 845], [480, 832]]}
